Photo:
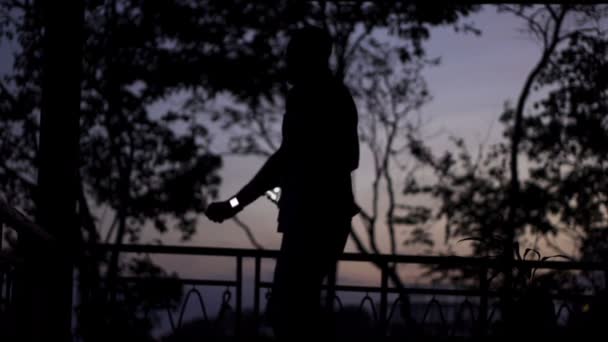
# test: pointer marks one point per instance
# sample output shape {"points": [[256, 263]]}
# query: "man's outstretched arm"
{"points": [[265, 179]]}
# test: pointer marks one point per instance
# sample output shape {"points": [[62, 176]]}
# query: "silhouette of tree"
{"points": [[134, 165], [558, 192], [566, 144], [389, 92]]}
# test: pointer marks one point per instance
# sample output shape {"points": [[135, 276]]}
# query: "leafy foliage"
{"points": [[561, 192], [567, 142]]}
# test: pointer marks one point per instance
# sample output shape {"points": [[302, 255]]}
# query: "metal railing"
{"points": [[382, 302], [19, 223], [477, 301]]}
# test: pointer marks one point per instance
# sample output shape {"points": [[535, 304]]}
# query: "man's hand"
{"points": [[220, 211]]}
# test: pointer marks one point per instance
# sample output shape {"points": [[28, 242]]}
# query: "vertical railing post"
{"points": [[256, 287], [331, 288], [383, 300], [4, 298], [482, 317], [239, 293], [3, 273]]}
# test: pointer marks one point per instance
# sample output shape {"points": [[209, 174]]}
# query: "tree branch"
{"points": [[248, 232], [518, 124], [358, 241], [264, 134], [28, 182], [349, 53], [6, 94], [551, 11], [390, 213]]}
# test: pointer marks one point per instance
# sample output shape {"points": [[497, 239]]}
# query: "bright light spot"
{"points": [[234, 202], [274, 194]]}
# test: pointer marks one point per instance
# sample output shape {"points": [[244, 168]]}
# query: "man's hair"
{"points": [[312, 41]]}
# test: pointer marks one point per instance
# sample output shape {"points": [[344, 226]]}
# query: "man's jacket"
{"points": [[319, 150]]}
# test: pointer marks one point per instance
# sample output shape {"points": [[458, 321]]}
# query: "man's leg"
{"points": [[336, 243], [276, 303], [310, 254], [295, 297], [307, 256]]}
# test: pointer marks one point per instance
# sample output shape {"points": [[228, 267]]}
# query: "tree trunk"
{"points": [[44, 288]]}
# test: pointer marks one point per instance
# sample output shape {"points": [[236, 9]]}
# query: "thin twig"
{"points": [[248, 232]]}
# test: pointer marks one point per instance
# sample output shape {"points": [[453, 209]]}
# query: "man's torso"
{"points": [[321, 150]]}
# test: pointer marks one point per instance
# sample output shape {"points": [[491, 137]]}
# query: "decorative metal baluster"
{"points": [[256, 289], [239, 294], [384, 301], [482, 317]]}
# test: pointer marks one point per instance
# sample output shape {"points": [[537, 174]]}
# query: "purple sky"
{"points": [[476, 76]]}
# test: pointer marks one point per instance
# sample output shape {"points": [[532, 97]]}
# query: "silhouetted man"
{"points": [[313, 168]]}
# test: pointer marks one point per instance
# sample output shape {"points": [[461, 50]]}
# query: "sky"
{"points": [[469, 88], [475, 78], [477, 74]]}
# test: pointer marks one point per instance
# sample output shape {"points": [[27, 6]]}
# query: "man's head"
{"points": [[308, 53]]}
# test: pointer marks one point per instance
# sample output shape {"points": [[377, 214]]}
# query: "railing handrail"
{"points": [[385, 298], [448, 260], [463, 292], [22, 224]]}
